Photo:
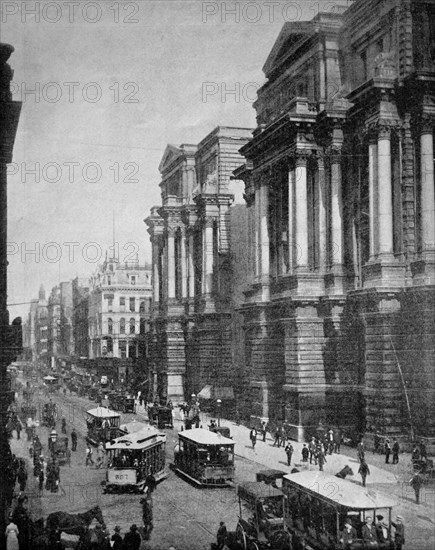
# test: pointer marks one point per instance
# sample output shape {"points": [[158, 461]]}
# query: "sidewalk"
{"points": [[269, 457]]}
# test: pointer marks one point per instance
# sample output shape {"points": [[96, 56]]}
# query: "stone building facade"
{"points": [[198, 269], [80, 294], [339, 177], [119, 305]]}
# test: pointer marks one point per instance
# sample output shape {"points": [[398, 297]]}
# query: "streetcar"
{"points": [[134, 458], [103, 425], [205, 458], [264, 526], [318, 505]]}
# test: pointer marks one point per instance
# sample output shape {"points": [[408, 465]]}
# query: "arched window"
{"points": [[132, 325], [122, 325], [110, 325]]}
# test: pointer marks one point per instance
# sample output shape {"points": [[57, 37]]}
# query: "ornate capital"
{"points": [[334, 154], [302, 158], [209, 221], [425, 123]]}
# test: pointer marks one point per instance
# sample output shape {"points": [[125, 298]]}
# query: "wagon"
{"points": [[103, 425], [61, 452]]}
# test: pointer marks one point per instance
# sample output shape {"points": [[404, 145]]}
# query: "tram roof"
{"points": [[256, 490], [340, 491], [205, 437], [137, 440], [103, 412]]}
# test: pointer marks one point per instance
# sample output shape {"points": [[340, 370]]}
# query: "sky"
{"points": [[113, 83]]}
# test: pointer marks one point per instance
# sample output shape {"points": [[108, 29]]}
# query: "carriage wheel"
{"points": [[254, 546], [241, 536]]}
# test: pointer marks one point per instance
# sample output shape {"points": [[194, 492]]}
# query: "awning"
{"points": [[205, 393], [216, 392]]}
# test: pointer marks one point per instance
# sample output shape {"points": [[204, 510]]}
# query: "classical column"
{"points": [[171, 262], [336, 209], [373, 196], [301, 213], [257, 251], [183, 245], [291, 194], [322, 194], [156, 281], [264, 229], [191, 264], [208, 255], [385, 192], [427, 189]]}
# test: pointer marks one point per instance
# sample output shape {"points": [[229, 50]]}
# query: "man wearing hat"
{"points": [[381, 530], [399, 535], [369, 533], [132, 540], [117, 539], [348, 535], [416, 483], [96, 537]]}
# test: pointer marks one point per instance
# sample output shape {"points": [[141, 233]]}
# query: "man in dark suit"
{"points": [[348, 535]]}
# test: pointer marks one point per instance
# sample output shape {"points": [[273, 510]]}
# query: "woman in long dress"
{"points": [[11, 536]]}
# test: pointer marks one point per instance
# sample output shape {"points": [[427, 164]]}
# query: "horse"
{"points": [[74, 524], [346, 471]]}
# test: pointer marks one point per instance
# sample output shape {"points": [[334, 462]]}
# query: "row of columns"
{"points": [[298, 216], [168, 244], [381, 192]]}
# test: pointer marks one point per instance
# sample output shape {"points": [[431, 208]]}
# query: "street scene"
{"points": [[217, 275]]}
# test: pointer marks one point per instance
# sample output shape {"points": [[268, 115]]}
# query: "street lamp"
{"points": [[219, 403]]}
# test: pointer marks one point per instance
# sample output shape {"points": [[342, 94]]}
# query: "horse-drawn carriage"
{"points": [[61, 452], [49, 414], [264, 527], [161, 416]]}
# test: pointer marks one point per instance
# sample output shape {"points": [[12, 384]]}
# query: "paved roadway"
{"points": [[187, 517]]}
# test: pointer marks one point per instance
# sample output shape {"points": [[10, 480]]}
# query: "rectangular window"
{"points": [[132, 304], [364, 65], [133, 280], [122, 304]]}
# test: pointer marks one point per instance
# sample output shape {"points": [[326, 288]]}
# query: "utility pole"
{"points": [[9, 335]]}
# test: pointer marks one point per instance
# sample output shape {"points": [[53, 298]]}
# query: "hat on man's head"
{"points": [[117, 528], [380, 518], [399, 518], [133, 527], [98, 526], [348, 521]]}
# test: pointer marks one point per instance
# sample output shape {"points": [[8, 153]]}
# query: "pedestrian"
{"points": [[337, 441], [361, 451], [312, 450], [387, 450], [364, 471], [305, 453], [289, 453], [41, 480], [264, 430], [132, 540], [221, 535], [63, 425], [11, 534], [89, 453], [399, 535], [416, 483], [100, 455], [21, 519], [377, 442], [117, 539], [147, 515], [96, 537], [22, 476], [321, 458], [253, 437], [415, 456], [277, 438], [18, 428], [73, 440], [423, 452], [396, 450]]}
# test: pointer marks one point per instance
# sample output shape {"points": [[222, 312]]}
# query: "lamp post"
{"points": [[219, 403]]}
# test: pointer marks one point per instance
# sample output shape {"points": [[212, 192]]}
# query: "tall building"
{"points": [[42, 329], [340, 184], [197, 275], [119, 305], [80, 298], [60, 327]]}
